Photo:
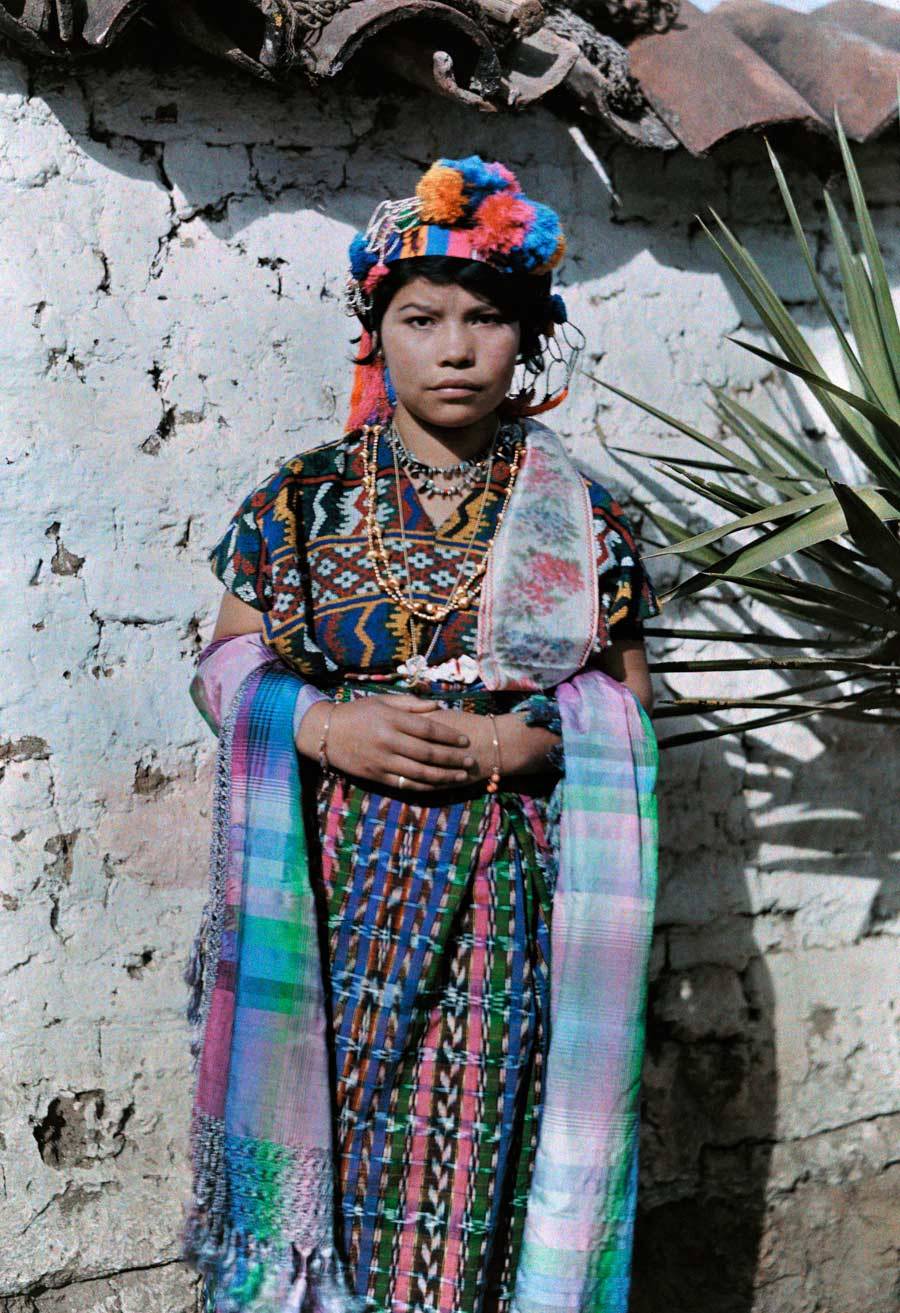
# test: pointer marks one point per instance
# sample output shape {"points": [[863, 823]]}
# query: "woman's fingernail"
{"points": [[463, 741], [468, 761]]}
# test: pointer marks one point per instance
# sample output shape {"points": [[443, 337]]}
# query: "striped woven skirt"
{"points": [[438, 934]]}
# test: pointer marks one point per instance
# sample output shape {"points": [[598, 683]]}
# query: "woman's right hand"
{"points": [[384, 736]]}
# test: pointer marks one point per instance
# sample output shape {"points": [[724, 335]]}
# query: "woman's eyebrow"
{"points": [[433, 310]]}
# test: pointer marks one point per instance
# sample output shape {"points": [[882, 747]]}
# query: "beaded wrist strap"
{"points": [[494, 779]]}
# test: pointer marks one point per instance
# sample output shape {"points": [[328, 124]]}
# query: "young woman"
{"points": [[419, 586]]}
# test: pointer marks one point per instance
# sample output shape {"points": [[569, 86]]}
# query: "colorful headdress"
{"points": [[472, 210]]}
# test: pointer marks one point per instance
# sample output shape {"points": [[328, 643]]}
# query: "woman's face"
{"points": [[451, 354]]}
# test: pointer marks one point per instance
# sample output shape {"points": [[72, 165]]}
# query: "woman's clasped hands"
{"points": [[383, 737], [391, 737]]}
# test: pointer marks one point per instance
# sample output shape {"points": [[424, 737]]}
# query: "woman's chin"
{"points": [[452, 412]]}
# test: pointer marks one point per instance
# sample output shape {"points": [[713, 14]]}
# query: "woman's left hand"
{"points": [[523, 747]]}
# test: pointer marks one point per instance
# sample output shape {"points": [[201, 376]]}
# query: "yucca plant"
{"points": [[822, 552]]}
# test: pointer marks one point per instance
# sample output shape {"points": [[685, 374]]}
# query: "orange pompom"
{"points": [[441, 192]]}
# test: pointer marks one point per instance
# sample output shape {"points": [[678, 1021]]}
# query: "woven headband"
{"points": [[469, 209]]}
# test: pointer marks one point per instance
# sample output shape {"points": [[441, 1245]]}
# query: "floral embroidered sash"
{"points": [[537, 613]]}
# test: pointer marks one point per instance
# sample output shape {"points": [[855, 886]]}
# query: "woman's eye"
{"points": [[424, 320]]}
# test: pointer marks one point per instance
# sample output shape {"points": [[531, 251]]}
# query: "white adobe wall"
{"points": [[171, 256]]}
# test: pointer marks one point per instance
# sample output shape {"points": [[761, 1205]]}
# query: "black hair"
{"points": [[519, 297]]}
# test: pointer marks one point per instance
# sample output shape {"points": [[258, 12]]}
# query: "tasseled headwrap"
{"points": [[470, 209], [369, 400]]}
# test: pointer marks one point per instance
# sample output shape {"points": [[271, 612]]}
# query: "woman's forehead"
{"points": [[424, 294]]}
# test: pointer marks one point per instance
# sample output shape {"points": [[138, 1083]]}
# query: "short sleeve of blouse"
{"points": [[627, 596], [239, 559]]}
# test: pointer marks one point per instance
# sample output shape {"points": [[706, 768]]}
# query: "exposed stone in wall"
{"points": [[171, 263], [165, 1287]]}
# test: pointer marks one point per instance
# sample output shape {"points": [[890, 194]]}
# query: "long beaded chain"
{"points": [[377, 551], [418, 663], [464, 591]]}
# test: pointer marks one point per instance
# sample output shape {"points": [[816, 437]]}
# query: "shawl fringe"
{"points": [[295, 1268], [200, 969], [249, 1275]]}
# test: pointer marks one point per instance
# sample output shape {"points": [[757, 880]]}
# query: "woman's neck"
{"points": [[437, 445]]}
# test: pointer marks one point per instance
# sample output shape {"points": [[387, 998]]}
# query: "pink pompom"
{"points": [[374, 276], [502, 220], [501, 171]]}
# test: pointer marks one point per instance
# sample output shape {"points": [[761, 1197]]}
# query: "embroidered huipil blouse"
{"points": [[296, 550]]}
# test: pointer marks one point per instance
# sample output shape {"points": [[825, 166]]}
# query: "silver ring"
{"points": [[401, 781]]}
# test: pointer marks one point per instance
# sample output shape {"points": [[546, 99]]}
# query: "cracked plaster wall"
{"points": [[171, 261]]}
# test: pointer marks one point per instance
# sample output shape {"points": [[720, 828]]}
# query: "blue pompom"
{"points": [[480, 179], [557, 307], [361, 258], [543, 236]]}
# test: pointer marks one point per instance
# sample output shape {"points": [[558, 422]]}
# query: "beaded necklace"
{"points": [[464, 590], [455, 478]]}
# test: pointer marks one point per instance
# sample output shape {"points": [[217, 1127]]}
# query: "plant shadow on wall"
{"points": [[823, 559]]}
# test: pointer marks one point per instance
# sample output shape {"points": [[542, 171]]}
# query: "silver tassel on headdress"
{"points": [[389, 219]]}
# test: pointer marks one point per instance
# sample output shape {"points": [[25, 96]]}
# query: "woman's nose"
{"points": [[457, 348]]}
